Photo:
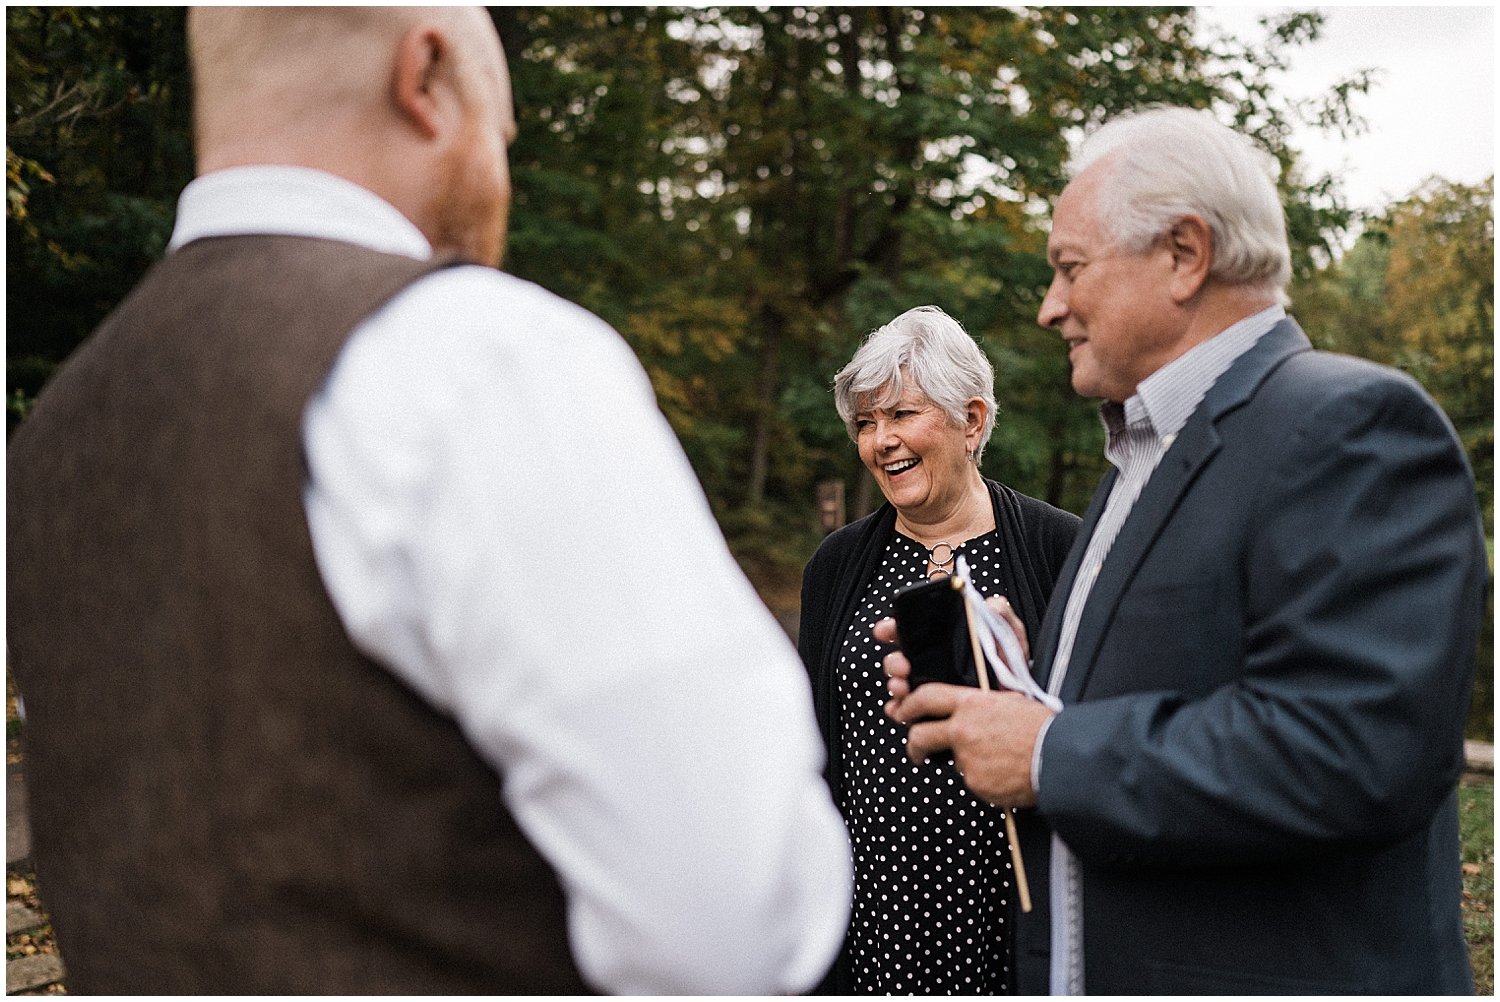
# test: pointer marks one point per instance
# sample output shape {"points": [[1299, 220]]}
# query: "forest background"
{"points": [[745, 193]]}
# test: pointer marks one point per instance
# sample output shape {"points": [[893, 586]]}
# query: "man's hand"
{"points": [[898, 668], [991, 734]]}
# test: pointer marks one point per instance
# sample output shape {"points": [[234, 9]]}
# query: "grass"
{"points": [[1476, 818]]}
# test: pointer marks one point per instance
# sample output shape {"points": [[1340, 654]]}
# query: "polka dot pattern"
{"points": [[932, 870]]}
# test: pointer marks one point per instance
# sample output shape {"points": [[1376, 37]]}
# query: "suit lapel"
{"points": [[1046, 649], [1193, 448], [1195, 445]]}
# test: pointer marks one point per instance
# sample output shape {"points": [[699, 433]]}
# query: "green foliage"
{"points": [[1417, 291], [1440, 302], [743, 192], [1476, 818], [97, 148], [747, 192]]}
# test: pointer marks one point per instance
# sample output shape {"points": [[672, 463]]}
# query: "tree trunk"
{"points": [[773, 328], [1057, 470], [864, 492]]}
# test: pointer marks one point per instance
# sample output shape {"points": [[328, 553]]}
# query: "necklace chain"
{"points": [[944, 549], [945, 565]]}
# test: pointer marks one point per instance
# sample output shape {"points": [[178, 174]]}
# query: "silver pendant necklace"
{"points": [[943, 565]]}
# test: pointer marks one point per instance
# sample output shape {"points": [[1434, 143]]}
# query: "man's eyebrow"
{"points": [[1057, 250]]}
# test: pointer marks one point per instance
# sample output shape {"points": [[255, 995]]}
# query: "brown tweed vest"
{"points": [[226, 796]]}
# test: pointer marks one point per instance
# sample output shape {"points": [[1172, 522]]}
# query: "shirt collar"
{"points": [[299, 201], [1167, 398]]}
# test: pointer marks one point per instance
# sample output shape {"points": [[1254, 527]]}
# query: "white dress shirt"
{"points": [[504, 519]]}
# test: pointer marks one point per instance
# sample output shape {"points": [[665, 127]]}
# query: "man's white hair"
{"points": [[1165, 163]]}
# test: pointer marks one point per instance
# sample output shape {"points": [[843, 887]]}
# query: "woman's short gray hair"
{"points": [[927, 350], [1166, 163]]}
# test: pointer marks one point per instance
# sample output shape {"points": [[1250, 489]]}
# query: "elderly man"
{"points": [[373, 634], [1264, 637]]}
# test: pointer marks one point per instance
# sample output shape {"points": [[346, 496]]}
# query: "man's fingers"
{"points": [[1007, 612], [934, 700], [926, 738]]}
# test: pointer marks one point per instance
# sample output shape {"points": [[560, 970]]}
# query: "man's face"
{"points": [[474, 215], [1112, 309]]}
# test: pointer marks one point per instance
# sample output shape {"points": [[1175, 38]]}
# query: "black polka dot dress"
{"points": [[932, 872]]}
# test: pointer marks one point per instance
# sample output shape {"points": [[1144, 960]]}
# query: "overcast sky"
{"points": [[1432, 109]]}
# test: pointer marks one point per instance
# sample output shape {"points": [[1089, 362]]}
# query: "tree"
{"points": [[97, 148], [1416, 291], [797, 176], [743, 192], [1440, 308]]}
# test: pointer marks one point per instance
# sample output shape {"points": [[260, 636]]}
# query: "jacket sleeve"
{"points": [[1364, 578], [822, 579], [812, 620]]}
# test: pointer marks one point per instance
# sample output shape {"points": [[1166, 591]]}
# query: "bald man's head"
{"points": [[272, 67], [412, 103]]}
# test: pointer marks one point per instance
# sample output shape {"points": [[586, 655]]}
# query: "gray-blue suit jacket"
{"points": [[1266, 698]]}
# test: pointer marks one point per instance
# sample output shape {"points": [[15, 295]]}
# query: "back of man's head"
{"points": [[1166, 163], [264, 76], [410, 103]]}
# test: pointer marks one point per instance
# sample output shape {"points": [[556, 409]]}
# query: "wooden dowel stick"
{"points": [[1022, 887]]}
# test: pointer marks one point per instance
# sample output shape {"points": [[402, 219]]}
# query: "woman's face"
{"points": [[918, 456]]}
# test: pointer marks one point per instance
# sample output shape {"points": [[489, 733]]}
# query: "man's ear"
{"points": [[423, 58], [1191, 242]]}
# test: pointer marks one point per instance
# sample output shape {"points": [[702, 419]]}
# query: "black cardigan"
{"points": [[1035, 538]]}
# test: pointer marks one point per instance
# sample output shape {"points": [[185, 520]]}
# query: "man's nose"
{"points": [[1054, 304]]}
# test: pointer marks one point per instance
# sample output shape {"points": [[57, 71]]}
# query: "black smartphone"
{"points": [[934, 633]]}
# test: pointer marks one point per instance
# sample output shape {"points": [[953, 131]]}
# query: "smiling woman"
{"points": [[932, 901], [919, 401]]}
